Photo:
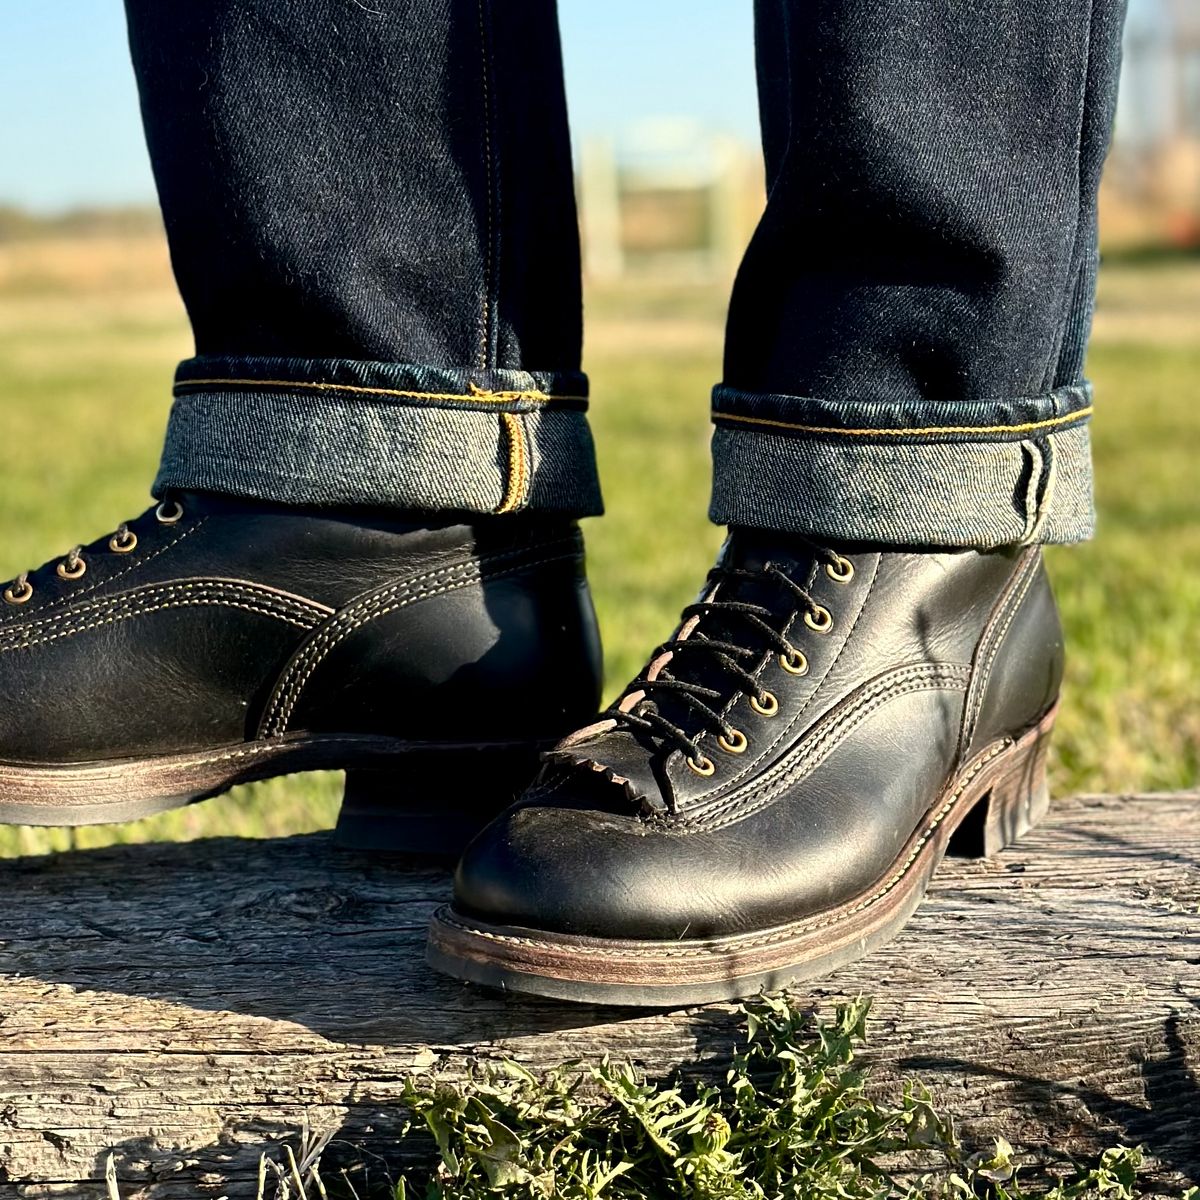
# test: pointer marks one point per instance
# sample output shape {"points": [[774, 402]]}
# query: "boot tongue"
{"points": [[623, 769], [754, 549], [750, 551], [635, 761]]}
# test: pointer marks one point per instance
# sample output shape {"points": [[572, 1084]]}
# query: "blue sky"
{"points": [[69, 129], [70, 134]]}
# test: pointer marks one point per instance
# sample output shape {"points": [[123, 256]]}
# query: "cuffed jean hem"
{"points": [[342, 432], [981, 475]]}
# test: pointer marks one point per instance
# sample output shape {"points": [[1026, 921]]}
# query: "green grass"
{"points": [[1131, 597], [84, 382]]}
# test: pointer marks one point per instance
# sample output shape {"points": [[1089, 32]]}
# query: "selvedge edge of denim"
{"points": [[1013, 419], [478, 389]]}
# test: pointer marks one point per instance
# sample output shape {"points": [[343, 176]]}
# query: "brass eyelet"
{"points": [[168, 516], [701, 765], [819, 619], [21, 597], [733, 745], [123, 547], [767, 707], [795, 663], [75, 572], [840, 572]]}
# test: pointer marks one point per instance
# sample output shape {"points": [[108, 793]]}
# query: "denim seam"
{"points": [[327, 448], [1039, 494], [1073, 264], [491, 186], [516, 441], [1078, 417]]}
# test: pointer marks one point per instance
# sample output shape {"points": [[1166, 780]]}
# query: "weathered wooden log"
{"points": [[183, 1005]]}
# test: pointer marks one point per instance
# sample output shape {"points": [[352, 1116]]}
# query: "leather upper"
{"points": [[400, 627], [930, 656]]}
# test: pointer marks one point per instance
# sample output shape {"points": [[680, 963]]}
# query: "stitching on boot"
{"points": [[126, 607], [777, 936], [788, 729], [310, 612], [822, 739], [341, 632], [15, 619], [367, 608], [994, 633], [786, 934]]}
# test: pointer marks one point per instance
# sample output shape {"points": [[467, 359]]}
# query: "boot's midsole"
{"points": [[88, 793], [1008, 776]]}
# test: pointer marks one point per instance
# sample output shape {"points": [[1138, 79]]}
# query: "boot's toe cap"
{"points": [[552, 863]]}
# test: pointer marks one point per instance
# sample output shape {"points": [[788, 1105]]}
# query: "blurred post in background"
{"points": [[1151, 193], [666, 197]]}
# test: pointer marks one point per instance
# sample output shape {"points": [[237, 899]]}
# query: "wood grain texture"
{"points": [[183, 1006]]}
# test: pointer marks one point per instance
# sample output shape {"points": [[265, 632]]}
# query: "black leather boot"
{"points": [[770, 797], [213, 641]]}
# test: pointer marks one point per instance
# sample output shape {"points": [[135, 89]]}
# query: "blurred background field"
{"points": [[90, 330]]}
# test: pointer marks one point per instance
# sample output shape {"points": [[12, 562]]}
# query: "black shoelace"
{"points": [[690, 654]]}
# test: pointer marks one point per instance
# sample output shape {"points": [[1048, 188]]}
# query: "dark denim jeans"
{"points": [[371, 217]]}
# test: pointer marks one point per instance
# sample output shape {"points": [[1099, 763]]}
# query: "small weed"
{"points": [[794, 1119]]}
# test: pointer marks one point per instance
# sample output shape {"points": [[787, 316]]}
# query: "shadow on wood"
{"points": [[187, 1005]]}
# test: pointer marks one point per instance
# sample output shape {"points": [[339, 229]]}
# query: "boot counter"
{"points": [[514, 655], [1019, 666]]}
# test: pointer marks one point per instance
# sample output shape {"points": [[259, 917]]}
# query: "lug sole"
{"points": [[1003, 789], [386, 805]]}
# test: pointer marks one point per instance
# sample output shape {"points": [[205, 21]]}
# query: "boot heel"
{"points": [[431, 802], [1017, 798]]}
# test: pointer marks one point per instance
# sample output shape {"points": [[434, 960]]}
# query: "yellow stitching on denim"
{"points": [[493, 190], [1047, 424], [517, 486], [534, 395]]}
